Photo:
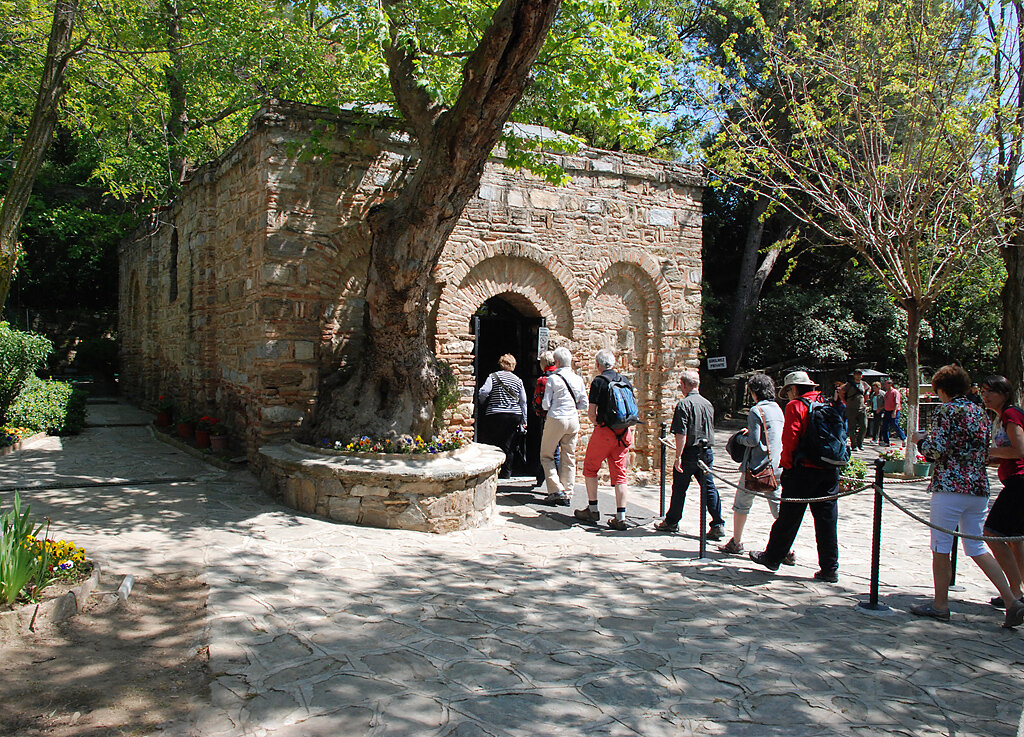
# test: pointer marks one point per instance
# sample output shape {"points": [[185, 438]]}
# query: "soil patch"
{"points": [[115, 668]]}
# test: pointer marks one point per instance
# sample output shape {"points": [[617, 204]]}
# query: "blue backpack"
{"points": [[824, 437], [620, 410]]}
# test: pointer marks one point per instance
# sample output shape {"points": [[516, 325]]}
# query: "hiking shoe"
{"points": [[732, 547], [586, 514], [558, 499], [832, 577], [664, 526], [761, 560], [1014, 615], [615, 523], [790, 559], [717, 532], [928, 610]]}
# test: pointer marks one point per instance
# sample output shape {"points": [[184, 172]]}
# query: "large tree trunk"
{"points": [[1011, 357], [914, 312], [392, 388], [177, 120], [37, 139]]}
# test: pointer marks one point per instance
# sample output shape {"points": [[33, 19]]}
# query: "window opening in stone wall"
{"points": [[173, 266], [510, 324]]}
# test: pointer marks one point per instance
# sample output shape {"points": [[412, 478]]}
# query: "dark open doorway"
{"points": [[501, 326]]}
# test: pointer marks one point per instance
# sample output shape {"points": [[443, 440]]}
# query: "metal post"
{"points": [[876, 541], [663, 436], [702, 454], [952, 562]]}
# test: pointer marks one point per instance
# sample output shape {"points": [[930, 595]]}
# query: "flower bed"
{"points": [[428, 491]]}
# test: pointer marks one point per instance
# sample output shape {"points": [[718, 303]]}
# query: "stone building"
{"points": [[240, 296]]}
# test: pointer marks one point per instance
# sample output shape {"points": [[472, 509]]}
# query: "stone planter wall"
{"points": [[410, 492]]}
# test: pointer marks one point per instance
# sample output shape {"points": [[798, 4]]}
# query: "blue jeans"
{"points": [[681, 482], [890, 421]]}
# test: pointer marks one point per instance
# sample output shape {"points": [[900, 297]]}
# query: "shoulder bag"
{"points": [[763, 480]]}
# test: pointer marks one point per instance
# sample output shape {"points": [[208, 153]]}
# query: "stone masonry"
{"points": [[244, 293]]}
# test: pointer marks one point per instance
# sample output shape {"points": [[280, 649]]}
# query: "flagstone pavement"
{"points": [[535, 626]]}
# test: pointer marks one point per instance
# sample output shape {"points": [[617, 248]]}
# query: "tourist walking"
{"points": [[693, 427], [958, 446], [803, 478], [877, 405], [1006, 517], [565, 396], [855, 395], [605, 444], [547, 367], [504, 400], [891, 414], [761, 440]]}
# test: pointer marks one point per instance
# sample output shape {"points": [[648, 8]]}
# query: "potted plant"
{"points": [[203, 427], [893, 458], [922, 467], [855, 468], [218, 437], [186, 426], [164, 411]]}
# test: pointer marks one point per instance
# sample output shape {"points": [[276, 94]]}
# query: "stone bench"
{"points": [[439, 493]]}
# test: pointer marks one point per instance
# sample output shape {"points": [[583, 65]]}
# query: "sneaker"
{"points": [[558, 499], [928, 610], [760, 559], [717, 532], [586, 514], [1014, 615], [732, 547], [832, 577], [664, 526], [615, 523], [790, 559]]}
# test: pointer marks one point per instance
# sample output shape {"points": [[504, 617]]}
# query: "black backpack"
{"points": [[824, 437]]}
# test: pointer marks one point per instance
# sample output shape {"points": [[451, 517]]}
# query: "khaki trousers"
{"points": [[562, 434]]}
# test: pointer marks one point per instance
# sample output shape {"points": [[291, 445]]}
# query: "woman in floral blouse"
{"points": [[958, 446]]}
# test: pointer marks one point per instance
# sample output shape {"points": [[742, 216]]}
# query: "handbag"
{"points": [[763, 480]]}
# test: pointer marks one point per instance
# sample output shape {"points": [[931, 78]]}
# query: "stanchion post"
{"points": [[876, 541], [952, 564], [664, 450], [703, 455]]}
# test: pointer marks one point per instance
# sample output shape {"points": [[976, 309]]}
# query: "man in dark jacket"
{"points": [[802, 479]]}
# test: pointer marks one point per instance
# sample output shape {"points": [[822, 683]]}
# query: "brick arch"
{"points": [[525, 271], [643, 264]]}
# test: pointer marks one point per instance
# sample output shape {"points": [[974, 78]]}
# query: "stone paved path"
{"points": [[536, 626]]}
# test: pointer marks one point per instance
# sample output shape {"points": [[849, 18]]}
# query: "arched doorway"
{"points": [[510, 324]]}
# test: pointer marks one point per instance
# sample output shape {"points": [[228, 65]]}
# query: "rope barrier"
{"points": [[770, 497], [954, 533]]}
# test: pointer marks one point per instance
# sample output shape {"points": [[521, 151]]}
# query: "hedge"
{"points": [[54, 407]]}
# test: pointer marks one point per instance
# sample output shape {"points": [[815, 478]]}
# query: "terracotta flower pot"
{"points": [[163, 419], [218, 442], [202, 438], [184, 430]]}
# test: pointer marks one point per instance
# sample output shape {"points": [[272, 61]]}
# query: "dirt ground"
{"points": [[113, 669]]}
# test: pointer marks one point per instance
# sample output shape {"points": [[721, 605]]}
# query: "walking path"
{"points": [[536, 626]]}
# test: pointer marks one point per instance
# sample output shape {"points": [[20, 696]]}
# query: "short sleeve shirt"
{"points": [[1001, 439], [695, 418]]}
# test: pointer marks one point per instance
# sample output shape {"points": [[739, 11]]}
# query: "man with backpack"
{"points": [[612, 409], [693, 427], [814, 449]]}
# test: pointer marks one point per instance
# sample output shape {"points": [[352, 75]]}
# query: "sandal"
{"points": [[732, 547], [790, 559], [929, 610]]}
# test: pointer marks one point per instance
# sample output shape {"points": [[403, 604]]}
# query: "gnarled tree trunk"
{"points": [[392, 388], [1011, 357], [914, 312], [37, 139]]}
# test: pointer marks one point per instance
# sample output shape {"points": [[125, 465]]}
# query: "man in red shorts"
{"points": [[605, 444]]}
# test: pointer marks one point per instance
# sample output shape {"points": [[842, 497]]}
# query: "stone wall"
{"points": [[240, 297]]}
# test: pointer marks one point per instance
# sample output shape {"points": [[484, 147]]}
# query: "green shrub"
{"points": [[55, 407], [20, 355]]}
